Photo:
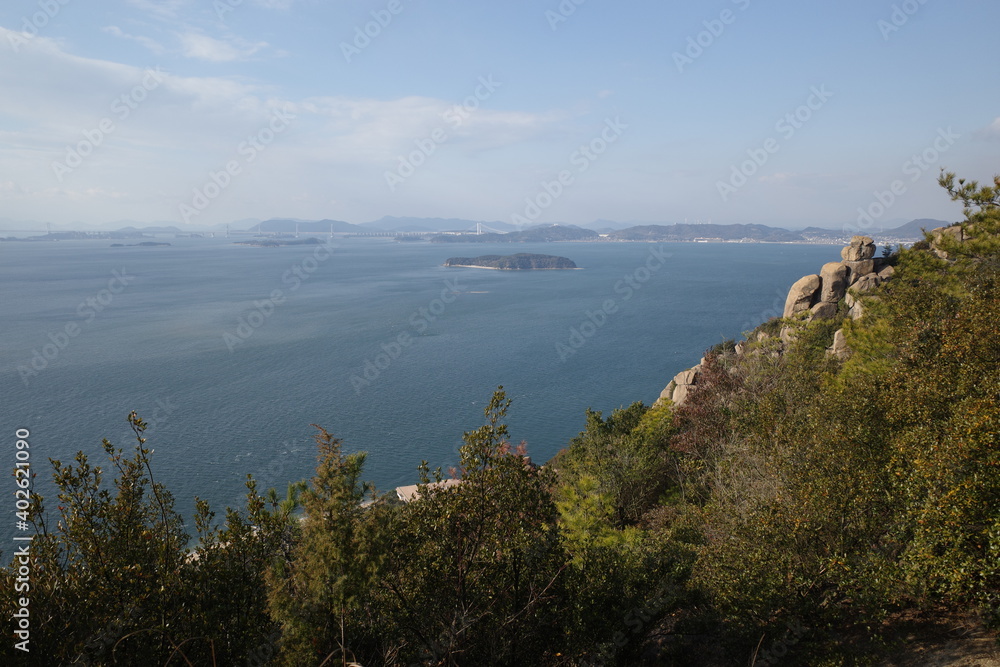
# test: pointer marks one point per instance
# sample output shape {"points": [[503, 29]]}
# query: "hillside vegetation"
{"points": [[797, 508]]}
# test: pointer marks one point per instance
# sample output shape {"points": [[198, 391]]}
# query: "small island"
{"points": [[522, 261]]}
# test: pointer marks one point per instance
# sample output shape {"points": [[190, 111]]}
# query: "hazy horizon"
{"points": [[199, 114]]}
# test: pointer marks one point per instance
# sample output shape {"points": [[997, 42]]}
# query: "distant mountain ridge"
{"points": [[290, 225], [393, 224], [689, 232], [911, 231], [502, 232]]}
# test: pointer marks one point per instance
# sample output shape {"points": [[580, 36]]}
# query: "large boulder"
{"points": [[833, 277], [800, 296], [887, 273], [681, 392], [859, 268], [689, 376], [867, 283], [954, 233], [787, 335], [839, 348], [682, 385], [824, 310], [862, 247]]}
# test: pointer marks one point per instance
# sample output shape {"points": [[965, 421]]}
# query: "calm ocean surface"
{"points": [[160, 346]]}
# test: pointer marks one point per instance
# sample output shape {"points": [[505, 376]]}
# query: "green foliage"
{"points": [[982, 219], [626, 455], [474, 570], [113, 580], [789, 490], [875, 484], [316, 592]]}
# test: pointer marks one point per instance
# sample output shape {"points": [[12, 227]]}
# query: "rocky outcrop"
{"points": [[839, 348], [818, 296], [800, 297], [682, 385], [946, 234], [824, 310], [858, 272], [834, 278], [861, 248]]}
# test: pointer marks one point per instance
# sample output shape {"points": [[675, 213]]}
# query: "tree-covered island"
{"points": [[520, 262]]}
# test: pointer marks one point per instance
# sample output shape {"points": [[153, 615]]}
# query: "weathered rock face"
{"points": [[681, 392], [855, 270], [867, 283], [824, 310], [839, 348], [956, 233], [683, 383], [819, 294], [800, 296], [787, 335], [862, 247], [833, 277], [686, 377]]}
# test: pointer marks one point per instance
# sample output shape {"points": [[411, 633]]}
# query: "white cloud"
{"points": [[335, 149], [991, 131], [378, 130], [274, 4], [151, 44], [161, 9], [202, 47]]}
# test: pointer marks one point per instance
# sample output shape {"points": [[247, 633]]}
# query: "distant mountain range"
{"points": [[391, 224], [688, 232], [291, 225], [497, 231], [457, 230]]}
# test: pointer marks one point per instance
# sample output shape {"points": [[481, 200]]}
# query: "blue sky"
{"points": [[199, 112]]}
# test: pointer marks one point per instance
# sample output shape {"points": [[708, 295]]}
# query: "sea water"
{"points": [[231, 352]]}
